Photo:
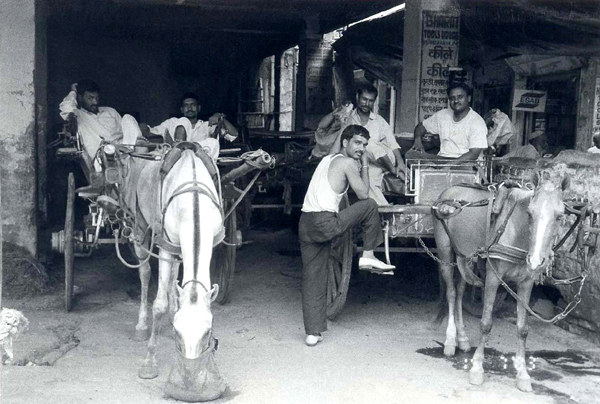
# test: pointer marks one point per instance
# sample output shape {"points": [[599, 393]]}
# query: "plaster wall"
{"points": [[18, 129]]}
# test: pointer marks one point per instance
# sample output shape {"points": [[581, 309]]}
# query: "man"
{"points": [[202, 132], [595, 149], [96, 123], [383, 150], [537, 147], [321, 222], [462, 131]]}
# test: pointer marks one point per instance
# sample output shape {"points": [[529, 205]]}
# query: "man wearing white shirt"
{"points": [[462, 131], [201, 130], [95, 123]]}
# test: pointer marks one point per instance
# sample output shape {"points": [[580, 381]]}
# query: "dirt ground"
{"points": [[382, 348]]}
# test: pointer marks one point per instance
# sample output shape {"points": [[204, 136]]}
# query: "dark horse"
{"points": [[518, 245]]}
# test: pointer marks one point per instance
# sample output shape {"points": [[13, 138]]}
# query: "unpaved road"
{"points": [[382, 349]]}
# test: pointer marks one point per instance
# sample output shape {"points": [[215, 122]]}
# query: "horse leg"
{"points": [[448, 275], [523, 379], [142, 332], [173, 292], [149, 369], [491, 287], [463, 340]]}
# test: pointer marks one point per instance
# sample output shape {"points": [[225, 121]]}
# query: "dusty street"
{"points": [[382, 349]]}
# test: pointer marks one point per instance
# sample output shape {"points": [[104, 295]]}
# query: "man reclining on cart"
{"points": [[462, 131], [96, 124], [203, 132]]}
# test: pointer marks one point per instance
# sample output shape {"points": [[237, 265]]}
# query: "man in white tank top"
{"points": [[322, 221]]}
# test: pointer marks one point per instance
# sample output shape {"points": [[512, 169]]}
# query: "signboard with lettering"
{"points": [[529, 100], [439, 51], [596, 123]]}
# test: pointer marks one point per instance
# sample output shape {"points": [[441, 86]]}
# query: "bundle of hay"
{"points": [[23, 275]]}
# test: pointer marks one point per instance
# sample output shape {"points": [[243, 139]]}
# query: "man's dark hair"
{"points": [[366, 88], [87, 85], [352, 130], [191, 95], [459, 84]]}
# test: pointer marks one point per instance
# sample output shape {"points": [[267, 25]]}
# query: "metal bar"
{"points": [[399, 249], [273, 206]]}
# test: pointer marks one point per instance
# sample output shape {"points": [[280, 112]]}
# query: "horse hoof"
{"points": [[449, 350], [524, 385], [148, 372], [476, 378], [464, 345], [141, 335]]}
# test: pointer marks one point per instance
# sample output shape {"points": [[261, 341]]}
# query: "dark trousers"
{"points": [[316, 232]]}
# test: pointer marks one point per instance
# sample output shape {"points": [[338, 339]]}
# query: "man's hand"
{"points": [[399, 171], [364, 159], [215, 118]]}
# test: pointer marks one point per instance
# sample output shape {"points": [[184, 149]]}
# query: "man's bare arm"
{"points": [[472, 154], [419, 132], [359, 182]]}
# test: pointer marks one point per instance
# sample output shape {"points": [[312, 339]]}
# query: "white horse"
{"points": [[179, 210]]}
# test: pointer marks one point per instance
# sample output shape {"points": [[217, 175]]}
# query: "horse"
{"points": [[520, 249], [176, 206]]}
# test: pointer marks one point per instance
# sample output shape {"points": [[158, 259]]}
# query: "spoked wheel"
{"points": [[222, 266], [68, 242], [338, 278]]}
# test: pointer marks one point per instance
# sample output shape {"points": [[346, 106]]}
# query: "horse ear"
{"points": [[566, 181], [214, 292]]}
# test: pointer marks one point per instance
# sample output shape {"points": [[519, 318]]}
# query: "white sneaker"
{"points": [[312, 340], [374, 264]]}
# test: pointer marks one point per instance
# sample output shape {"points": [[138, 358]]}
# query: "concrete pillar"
{"points": [[314, 84], [411, 94], [587, 102], [18, 157]]}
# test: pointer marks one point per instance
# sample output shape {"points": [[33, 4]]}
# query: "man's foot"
{"points": [[312, 340], [374, 265]]}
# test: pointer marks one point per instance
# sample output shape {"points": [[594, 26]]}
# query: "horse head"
{"points": [[193, 321], [546, 211]]}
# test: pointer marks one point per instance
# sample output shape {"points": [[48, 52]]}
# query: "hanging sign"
{"points": [[529, 100], [439, 51], [596, 122]]}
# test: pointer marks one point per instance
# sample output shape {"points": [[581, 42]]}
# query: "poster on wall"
{"points": [[439, 52], [529, 100], [596, 123]]}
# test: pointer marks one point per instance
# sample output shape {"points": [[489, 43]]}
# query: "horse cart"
{"points": [[106, 223], [406, 221]]}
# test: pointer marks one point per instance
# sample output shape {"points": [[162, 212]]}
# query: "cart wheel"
{"points": [[68, 242], [338, 278], [222, 266]]}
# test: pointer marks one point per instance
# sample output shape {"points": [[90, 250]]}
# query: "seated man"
{"points": [[202, 132], [321, 222], [462, 132], [96, 123], [595, 149], [537, 147], [500, 130]]}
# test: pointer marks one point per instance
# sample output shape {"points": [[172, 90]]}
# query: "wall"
{"points": [[585, 104], [18, 129]]}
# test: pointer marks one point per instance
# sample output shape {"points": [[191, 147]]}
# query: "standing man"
{"points": [[201, 131], [321, 222], [96, 123], [462, 131], [383, 150]]}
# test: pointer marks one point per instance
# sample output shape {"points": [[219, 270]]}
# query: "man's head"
{"points": [[538, 140], [354, 139], [459, 97], [596, 140], [88, 95], [365, 98], [190, 107]]}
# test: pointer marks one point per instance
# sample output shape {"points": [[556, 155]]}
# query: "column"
{"points": [[18, 157]]}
